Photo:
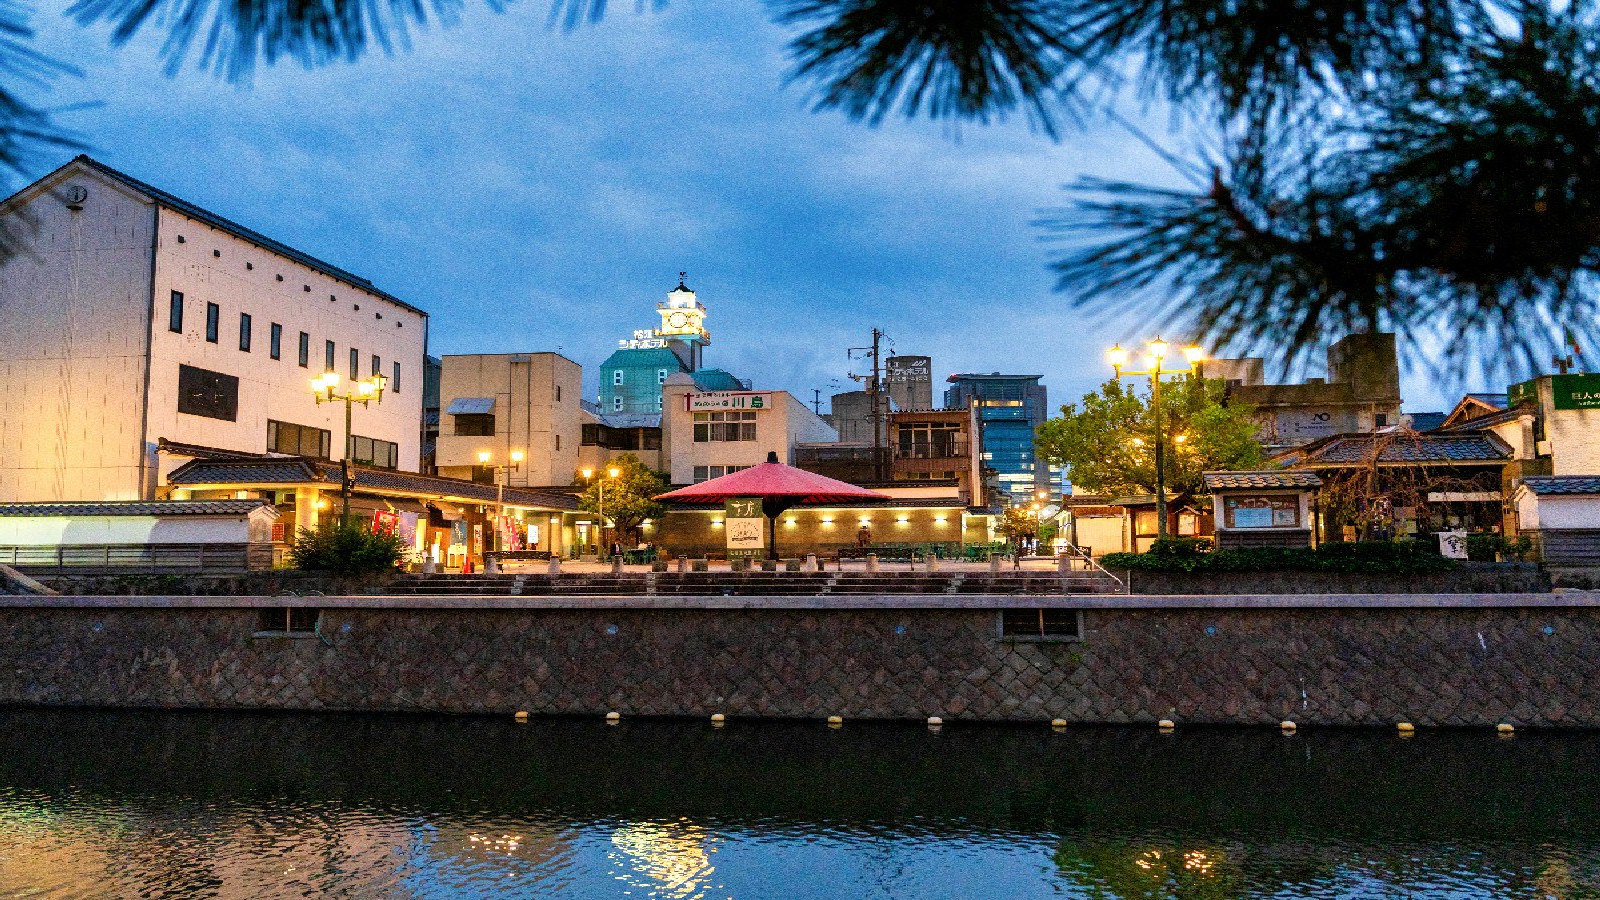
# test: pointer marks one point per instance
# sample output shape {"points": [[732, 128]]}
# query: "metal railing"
{"points": [[140, 557]]}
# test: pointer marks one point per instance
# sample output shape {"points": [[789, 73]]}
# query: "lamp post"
{"points": [[484, 459], [325, 388], [612, 472], [1118, 358]]}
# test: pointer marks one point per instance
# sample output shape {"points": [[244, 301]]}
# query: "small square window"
{"points": [[1041, 624], [616, 377], [287, 621]]}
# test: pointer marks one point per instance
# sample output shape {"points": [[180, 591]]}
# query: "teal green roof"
{"points": [[716, 380], [656, 358]]}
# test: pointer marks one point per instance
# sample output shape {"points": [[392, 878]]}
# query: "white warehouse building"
{"points": [[131, 319]]}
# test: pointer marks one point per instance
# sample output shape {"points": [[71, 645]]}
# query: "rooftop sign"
{"points": [[722, 400], [1576, 391]]}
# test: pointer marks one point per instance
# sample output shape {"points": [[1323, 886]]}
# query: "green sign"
{"points": [[1576, 391]]}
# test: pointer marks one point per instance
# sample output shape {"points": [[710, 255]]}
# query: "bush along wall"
{"points": [[1196, 555]]}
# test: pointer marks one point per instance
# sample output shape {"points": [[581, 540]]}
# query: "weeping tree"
{"points": [[1426, 166]]}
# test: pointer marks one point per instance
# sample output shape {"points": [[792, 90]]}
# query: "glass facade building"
{"points": [[1010, 407]]}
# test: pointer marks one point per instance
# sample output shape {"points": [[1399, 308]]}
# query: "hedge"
{"points": [[1195, 555]]}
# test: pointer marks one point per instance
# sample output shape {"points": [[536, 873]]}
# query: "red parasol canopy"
{"points": [[773, 480]]}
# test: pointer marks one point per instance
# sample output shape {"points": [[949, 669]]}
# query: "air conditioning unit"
{"points": [[1542, 448]]}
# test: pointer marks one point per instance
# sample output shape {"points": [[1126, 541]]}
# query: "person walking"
{"points": [[864, 537]]}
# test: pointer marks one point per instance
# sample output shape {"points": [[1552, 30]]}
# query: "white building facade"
{"points": [[132, 317], [505, 403], [706, 435]]}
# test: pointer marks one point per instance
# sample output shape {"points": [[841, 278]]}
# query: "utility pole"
{"points": [[816, 400], [875, 398]]}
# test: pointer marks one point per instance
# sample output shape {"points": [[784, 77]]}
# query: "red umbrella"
{"points": [[779, 487]]}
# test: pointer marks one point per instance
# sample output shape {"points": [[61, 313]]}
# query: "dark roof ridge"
{"points": [[223, 223]]}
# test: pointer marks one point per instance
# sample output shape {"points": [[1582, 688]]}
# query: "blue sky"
{"points": [[535, 189]]}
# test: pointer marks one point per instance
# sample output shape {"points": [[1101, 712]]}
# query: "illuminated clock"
{"points": [[678, 320]]}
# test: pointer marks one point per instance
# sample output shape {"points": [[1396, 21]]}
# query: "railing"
{"points": [[1091, 564], [141, 557], [936, 450]]}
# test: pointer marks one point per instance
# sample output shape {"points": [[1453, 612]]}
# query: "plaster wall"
{"points": [[778, 429], [528, 415]]}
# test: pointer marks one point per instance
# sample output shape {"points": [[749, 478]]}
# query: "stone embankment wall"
{"points": [[1462, 660]]}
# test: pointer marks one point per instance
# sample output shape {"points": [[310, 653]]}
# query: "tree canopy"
{"points": [[626, 500], [1107, 441]]}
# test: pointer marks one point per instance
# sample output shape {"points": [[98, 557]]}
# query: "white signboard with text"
{"points": [[746, 527], [725, 400]]}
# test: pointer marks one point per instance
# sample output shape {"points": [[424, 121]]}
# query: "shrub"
{"points": [[1484, 547], [346, 549], [1188, 555]]}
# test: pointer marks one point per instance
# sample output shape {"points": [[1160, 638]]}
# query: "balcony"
{"points": [[953, 448]]}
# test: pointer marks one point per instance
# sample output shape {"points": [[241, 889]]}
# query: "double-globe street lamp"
{"points": [[325, 388], [1156, 369], [485, 459], [612, 472]]}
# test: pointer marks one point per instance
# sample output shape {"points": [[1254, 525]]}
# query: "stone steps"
{"points": [[756, 583]]}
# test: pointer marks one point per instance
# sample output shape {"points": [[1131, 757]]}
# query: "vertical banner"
{"points": [[746, 528]]}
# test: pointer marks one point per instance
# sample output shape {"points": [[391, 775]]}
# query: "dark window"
{"points": [[175, 313], [210, 394], [355, 364], [213, 321], [277, 341], [377, 365], [1041, 624], [298, 440], [373, 452], [558, 393], [327, 356], [244, 332], [483, 474], [591, 435], [651, 438], [724, 426], [305, 350], [288, 620], [475, 424], [394, 383]]}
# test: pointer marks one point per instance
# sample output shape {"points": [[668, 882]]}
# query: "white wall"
{"points": [[50, 531], [244, 279], [778, 429], [72, 326], [1557, 511]]}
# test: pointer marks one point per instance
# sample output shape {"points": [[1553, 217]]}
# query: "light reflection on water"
{"points": [[122, 804]]}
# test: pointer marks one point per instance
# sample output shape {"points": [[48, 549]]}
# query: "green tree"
{"points": [[627, 499], [1108, 444], [1018, 523], [348, 548]]}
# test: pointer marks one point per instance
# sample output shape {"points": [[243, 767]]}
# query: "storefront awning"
{"points": [[471, 406]]}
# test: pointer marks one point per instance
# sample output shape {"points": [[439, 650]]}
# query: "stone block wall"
{"points": [[1339, 666]]}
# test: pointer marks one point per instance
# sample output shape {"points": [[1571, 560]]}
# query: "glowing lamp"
{"points": [[588, 473], [1194, 353], [613, 472], [483, 457], [517, 456], [1117, 356], [1158, 348]]}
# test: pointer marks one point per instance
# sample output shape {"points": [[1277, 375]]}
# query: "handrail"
{"points": [[1093, 565]]}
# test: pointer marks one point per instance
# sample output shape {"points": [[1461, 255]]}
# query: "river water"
{"points": [[147, 804]]}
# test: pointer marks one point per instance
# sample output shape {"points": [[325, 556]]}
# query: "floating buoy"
{"points": [[1406, 728], [1058, 723], [718, 718], [1287, 725], [613, 717], [1166, 725], [836, 721], [935, 721], [1505, 728], [520, 715]]}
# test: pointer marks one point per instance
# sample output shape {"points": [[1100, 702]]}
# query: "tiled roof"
{"points": [[298, 470], [1563, 484], [631, 420], [1449, 447], [1487, 419], [136, 508], [1427, 421], [200, 451], [178, 204], [890, 503], [1274, 479]]}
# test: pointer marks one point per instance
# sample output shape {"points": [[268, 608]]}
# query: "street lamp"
{"points": [[612, 472], [484, 458], [1158, 348], [325, 388]]}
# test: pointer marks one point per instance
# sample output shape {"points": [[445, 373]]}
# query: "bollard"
{"points": [[994, 564], [700, 565], [791, 565], [491, 565], [429, 566], [810, 566], [616, 565], [872, 563], [769, 565], [555, 564], [933, 563], [683, 565], [1063, 565]]}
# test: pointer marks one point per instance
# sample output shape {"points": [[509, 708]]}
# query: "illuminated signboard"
{"points": [[643, 339], [1576, 391], [722, 400]]}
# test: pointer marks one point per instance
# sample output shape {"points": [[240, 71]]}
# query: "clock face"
{"points": [[678, 320]]}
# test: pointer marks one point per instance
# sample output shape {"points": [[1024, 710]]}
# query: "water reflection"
{"points": [[99, 804]]}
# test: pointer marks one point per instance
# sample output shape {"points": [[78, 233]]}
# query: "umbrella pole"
{"points": [[772, 537]]}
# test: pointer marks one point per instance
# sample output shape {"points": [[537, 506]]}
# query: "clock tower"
{"points": [[683, 324]]}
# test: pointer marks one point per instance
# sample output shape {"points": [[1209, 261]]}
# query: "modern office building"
{"points": [[505, 403], [133, 320], [1009, 408]]}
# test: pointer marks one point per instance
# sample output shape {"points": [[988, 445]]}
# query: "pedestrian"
{"points": [[616, 549], [864, 537]]}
